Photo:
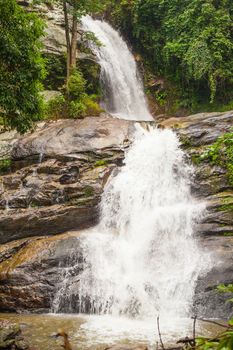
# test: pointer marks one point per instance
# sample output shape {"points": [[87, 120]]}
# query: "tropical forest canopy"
{"points": [[189, 42]]}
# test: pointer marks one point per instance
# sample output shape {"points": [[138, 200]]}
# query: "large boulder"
{"points": [[57, 175], [32, 268]]}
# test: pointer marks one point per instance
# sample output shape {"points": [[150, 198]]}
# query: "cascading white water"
{"points": [[122, 86], [142, 260]]}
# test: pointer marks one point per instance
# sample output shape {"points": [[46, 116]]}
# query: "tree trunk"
{"points": [[68, 46], [74, 37]]}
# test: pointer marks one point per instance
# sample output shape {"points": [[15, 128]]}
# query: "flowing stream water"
{"points": [[142, 260]]}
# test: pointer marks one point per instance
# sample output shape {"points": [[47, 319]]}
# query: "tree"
{"points": [[21, 66], [73, 11]]}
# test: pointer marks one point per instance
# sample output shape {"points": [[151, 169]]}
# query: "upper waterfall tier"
{"points": [[123, 94]]}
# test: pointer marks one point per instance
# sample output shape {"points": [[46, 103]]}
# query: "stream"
{"points": [[40, 331]]}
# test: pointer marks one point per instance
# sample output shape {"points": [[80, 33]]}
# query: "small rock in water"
{"points": [[10, 336]]}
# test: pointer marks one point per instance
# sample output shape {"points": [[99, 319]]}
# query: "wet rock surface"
{"points": [[57, 175], [54, 184], [32, 268], [10, 337], [197, 133], [208, 301]]}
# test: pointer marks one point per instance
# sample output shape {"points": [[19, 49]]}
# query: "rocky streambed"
{"points": [[51, 184]]}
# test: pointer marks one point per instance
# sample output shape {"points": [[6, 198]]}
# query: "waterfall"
{"points": [[120, 80], [143, 259]]}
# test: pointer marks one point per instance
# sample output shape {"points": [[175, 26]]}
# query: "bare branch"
{"points": [[160, 337]]}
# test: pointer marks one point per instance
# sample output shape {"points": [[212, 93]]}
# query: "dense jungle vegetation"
{"points": [[186, 43]]}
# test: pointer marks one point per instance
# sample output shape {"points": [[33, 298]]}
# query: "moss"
{"points": [[228, 234], [5, 165], [34, 204], [79, 202], [226, 207], [196, 159], [185, 141], [89, 191], [101, 162], [221, 154]]}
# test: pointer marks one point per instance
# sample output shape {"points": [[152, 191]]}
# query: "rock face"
{"points": [[57, 176], [54, 184], [31, 269], [198, 132], [54, 40]]}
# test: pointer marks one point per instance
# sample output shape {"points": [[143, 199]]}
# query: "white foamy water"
{"points": [[142, 260], [122, 86]]}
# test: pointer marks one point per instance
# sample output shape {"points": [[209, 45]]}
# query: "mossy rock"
{"points": [[101, 162], [89, 191], [5, 165]]}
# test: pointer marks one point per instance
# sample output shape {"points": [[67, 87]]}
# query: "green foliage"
{"points": [[5, 165], [91, 73], [21, 66], [74, 103], [228, 234], [92, 107], [89, 191], [77, 109], [56, 108], [83, 7], [101, 162], [223, 342], [79, 7], [160, 97], [56, 71], [222, 288], [190, 42], [221, 153], [76, 85]]}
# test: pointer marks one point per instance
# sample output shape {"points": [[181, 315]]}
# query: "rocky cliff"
{"points": [[197, 133], [53, 184]]}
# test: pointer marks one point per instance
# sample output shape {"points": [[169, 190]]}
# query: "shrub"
{"points": [[76, 85], [221, 153], [56, 108], [92, 107], [77, 109]]}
